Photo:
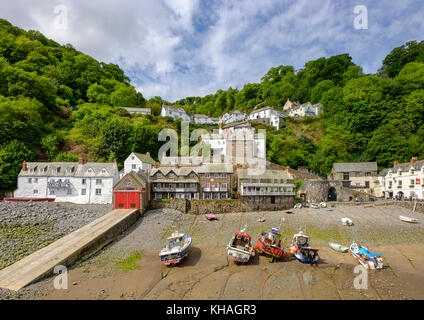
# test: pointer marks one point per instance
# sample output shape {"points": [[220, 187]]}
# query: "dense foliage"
{"points": [[57, 104]]}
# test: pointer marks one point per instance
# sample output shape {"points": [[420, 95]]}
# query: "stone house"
{"points": [[216, 180], [358, 175], [175, 182], [267, 187], [77, 182]]}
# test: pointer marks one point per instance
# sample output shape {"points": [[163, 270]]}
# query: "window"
{"points": [[181, 185], [171, 176], [345, 175], [132, 158], [98, 192], [84, 181], [69, 191], [31, 170], [207, 185], [192, 176], [35, 191], [368, 174], [172, 185], [35, 180], [68, 170], [29, 180], [207, 175], [223, 185], [224, 175], [55, 170], [367, 184], [412, 181], [192, 185], [51, 191], [98, 181], [134, 166], [159, 175], [103, 170], [83, 192], [42, 170], [400, 183]]}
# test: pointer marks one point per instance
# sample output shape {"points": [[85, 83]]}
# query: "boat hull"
{"points": [[366, 261], [239, 257], [269, 250], [175, 258]]}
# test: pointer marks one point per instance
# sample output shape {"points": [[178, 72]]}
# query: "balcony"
{"points": [[58, 184], [267, 193]]}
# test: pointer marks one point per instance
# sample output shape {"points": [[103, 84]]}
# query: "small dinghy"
{"points": [[408, 219], [240, 248], [323, 205], [269, 243], [297, 206], [261, 219], [301, 250], [289, 212], [211, 217], [365, 257], [177, 248], [338, 247], [347, 222], [314, 206]]}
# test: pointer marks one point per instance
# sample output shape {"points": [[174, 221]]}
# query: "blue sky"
{"points": [[179, 48]]}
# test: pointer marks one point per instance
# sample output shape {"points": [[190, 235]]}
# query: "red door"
{"points": [[127, 199]]}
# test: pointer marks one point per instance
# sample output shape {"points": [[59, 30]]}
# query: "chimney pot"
{"points": [[24, 166], [395, 163], [287, 169], [80, 160], [413, 160], [155, 165], [114, 160], [148, 154]]}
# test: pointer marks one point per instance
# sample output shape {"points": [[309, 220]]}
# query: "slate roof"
{"points": [[355, 167], [268, 174], [76, 169], [144, 158]]}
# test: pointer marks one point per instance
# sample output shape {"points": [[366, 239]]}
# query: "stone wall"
{"points": [[222, 206], [317, 191]]}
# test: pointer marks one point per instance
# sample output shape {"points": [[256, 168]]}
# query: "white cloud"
{"points": [[178, 48]]}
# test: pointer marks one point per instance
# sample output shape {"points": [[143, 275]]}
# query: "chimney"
{"points": [[114, 160], [287, 169], [238, 165], [177, 165], [148, 154], [396, 163], [80, 160], [413, 160], [24, 166], [155, 165]]}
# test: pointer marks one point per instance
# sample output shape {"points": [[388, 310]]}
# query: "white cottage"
{"points": [[138, 161], [77, 182], [176, 113], [268, 116]]}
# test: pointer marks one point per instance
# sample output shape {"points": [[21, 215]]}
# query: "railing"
{"points": [[266, 193], [58, 184]]}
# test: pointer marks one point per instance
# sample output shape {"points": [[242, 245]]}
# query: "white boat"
{"points": [[314, 206], [347, 222], [297, 206], [323, 205], [177, 248], [240, 247], [301, 249], [408, 219], [338, 247]]}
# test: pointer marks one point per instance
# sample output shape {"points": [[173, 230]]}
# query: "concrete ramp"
{"points": [[65, 251]]}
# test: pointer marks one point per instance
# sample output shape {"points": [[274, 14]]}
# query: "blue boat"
{"points": [[301, 250], [364, 256], [177, 248]]}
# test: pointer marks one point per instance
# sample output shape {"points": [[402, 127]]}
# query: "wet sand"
{"points": [[207, 273]]}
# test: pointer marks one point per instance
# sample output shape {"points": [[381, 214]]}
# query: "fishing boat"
{"points": [[301, 249], [338, 247], [269, 243], [408, 219], [240, 247], [177, 248], [365, 257]]}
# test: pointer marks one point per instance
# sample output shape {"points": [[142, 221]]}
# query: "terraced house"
{"points": [[77, 182], [266, 187], [175, 182], [216, 180]]}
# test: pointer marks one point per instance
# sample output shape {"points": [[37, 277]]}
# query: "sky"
{"points": [[180, 48]]}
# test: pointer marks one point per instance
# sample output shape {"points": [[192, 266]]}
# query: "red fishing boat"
{"points": [[269, 243]]}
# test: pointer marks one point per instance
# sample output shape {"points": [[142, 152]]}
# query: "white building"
{"points": [[176, 113], [233, 116], [205, 119], [76, 182], [139, 110], [302, 110], [404, 180], [236, 143], [138, 161], [268, 116]]}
